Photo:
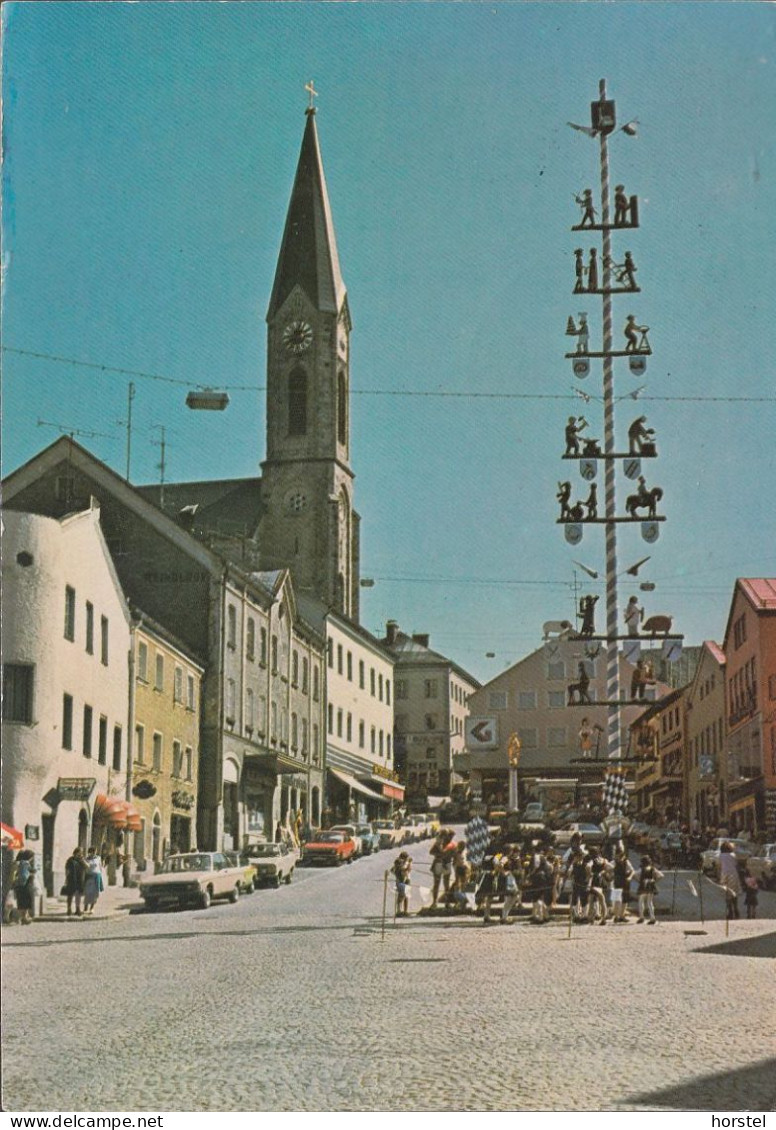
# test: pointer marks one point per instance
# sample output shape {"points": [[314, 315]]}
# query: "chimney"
{"points": [[391, 631], [421, 638]]}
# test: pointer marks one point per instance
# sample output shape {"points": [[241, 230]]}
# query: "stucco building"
{"points": [[705, 754]]}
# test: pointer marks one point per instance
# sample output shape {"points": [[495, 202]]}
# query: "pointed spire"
{"points": [[308, 254]]}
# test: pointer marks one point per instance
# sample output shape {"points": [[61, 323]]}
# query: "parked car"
{"points": [[248, 881], [330, 847], [670, 848], [193, 879], [743, 850], [637, 835], [592, 834], [370, 841], [349, 830], [388, 834], [533, 813], [433, 824], [409, 831], [762, 865], [273, 863]]}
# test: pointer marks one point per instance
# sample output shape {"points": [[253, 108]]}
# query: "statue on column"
{"points": [[640, 436], [591, 502], [586, 738], [635, 336], [587, 615], [592, 270], [579, 271], [621, 207], [563, 496], [633, 616], [575, 425], [585, 201], [625, 272], [581, 687], [580, 332]]}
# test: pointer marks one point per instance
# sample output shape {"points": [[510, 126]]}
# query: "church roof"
{"points": [[229, 505], [308, 254]]}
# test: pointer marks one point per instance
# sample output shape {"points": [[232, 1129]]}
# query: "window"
{"points": [[274, 655], [157, 758], [262, 715], [284, 727], [102, 740], [400, 723], [556, 670], [739, 632], [526, 700], [104, 640], [274, 721], [189, 692], [316, 684], [17, 692], [342, 408], [388, 691], [361, 673], [305, 674], [401, 688], [372, 681], [189, 763], [139, 744], [142, 661], [388, 746], [350, 666], [117, 748], [67, 721], [230, 699], [380, 687], [330, 652], [177, 759], [297, 403], [69, 613], [177, 694], [159, 681], [497, 700], [556, 699], [556, 736], [90, 627], [382, 743], [305, 735], [88, 727], [294, 731], [295, 668], [339, 723], [430, 688], [373, 740], [339, 658], [231, 626], [263, 647], [349, 728], [361, 735], [249, 710], [316, 747], [528, 738], [250, 638]]}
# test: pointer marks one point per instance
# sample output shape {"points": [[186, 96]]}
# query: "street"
{"points": [[290, 1000]]}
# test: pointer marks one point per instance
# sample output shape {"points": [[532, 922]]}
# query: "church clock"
{"points": [[298, 336]]}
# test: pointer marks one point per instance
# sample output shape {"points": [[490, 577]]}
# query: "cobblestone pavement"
{"points": [[290, 1000]]}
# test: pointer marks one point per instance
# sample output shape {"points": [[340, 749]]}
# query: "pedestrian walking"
{"points": [[94, 883], [75, 880], [596, 905], [580, 884], [23, 883], [750, 896], [402, 867], [647, 889], [491, 886], [462, 873], [622, 873], [513, 882], [730, 880], [540, 881]]}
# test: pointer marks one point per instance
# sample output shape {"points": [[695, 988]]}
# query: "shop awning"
{"points": [[11, 837], [356, 786], [110, 810], [740, 805]]}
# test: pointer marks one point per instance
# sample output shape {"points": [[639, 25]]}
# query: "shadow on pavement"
{"points": [[763, 945], [104, 939], [746, 1088]]}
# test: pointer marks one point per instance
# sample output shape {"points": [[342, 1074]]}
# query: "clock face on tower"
{"points": [[297, 336]]}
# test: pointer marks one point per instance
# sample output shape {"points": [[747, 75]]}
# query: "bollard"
{"points": [[385, 902]]}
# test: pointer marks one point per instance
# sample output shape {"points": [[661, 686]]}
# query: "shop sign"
{"points": [[144, 789], [31, 832], [75, 788], [183, 799], [383, 771]]}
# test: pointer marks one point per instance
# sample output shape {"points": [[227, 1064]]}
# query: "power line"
{"points": [[422, 393]]}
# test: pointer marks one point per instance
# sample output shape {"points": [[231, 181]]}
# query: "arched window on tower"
{"points": [[297, 403], [342, 409]]}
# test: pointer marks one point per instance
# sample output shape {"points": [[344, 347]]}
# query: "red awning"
{"points": [[134, 819], [11, 837], [110, 810]]}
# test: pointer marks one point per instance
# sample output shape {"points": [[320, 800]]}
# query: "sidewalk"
{"points": [[114, 902]]}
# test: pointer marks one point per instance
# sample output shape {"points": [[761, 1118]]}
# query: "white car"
{"points": [[388, 833], [742, 849], [273, 863], [193, 878], [762, 865]]}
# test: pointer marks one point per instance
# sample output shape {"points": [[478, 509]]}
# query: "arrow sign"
{"points": [[588, 468], [482, 732], [632, 468], [632, 651]]}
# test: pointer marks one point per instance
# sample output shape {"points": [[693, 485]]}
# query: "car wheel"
{"points": [[277, 880], [235, 893], [338, 861], [289, 876], [351, 858], [205, 898]]}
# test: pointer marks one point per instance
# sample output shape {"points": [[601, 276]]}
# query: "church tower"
{"points": [[308, 519]]}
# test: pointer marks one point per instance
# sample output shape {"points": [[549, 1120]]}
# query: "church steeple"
{"points": [[308, 254]]}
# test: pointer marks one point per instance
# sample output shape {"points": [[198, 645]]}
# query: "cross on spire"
{"points": [[310, 88]]}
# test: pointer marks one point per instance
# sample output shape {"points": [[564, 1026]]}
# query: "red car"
{"points": [[330, 847]]}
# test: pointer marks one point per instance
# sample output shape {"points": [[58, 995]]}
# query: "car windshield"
{"points": [[588, 828], [177, 863], [264, 851], [364, 830], [330, 838], [383, 825]]}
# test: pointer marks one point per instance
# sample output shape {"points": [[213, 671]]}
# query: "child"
{"points": [[401, 870], [750, 896], [623, 873], [462, 874], [648, 877]]}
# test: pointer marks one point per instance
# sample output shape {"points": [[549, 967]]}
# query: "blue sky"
{"points": [[149, 155]]}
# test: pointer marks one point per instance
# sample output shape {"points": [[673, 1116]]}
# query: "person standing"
{"points": [[598, 876], [750, 896], [94, 884], [513, 881], [442, 851], [461, 875], [730, 880], [580, 884], [75, 879], [23, 882], [402, 867], [648, 877], [491, 886], [622, 874]]}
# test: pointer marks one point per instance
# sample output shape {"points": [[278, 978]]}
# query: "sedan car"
{"points": [[387, 833], [193, 878], [592, 834], [248, 881], [742, 849], [762, 865], [273, 864], [370, 840], [330, 847], [349, 830]]}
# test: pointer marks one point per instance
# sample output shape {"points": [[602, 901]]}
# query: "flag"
{"points": [[477, 839], [614, 793]]}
